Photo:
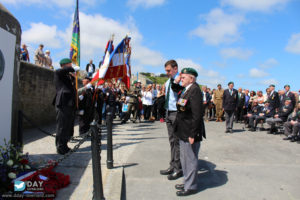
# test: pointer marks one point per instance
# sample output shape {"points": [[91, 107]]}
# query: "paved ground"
{"points": [[242, 165]]}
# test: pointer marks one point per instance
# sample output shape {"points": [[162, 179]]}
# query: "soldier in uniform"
{"points": [[281, 116], [230, 100], [189, 127], [218, 101], [65, 104], [133, 102], [86, 107], [292, 128]]}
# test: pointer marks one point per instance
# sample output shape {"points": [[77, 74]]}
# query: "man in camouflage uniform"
{"points": [[218, 101]]}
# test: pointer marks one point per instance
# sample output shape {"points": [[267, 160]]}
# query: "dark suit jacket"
{"points": [[87, 67], [65, 87], [230, 102], [285, 111], [208, 98], [292, 97], [241, 100], [274, 100], [189, 118]]}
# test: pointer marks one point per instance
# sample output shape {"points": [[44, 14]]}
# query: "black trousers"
{"points": [[65, 117], [239, 114], [147, 111], [174, 142]]}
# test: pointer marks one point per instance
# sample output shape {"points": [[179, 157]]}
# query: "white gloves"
{"points": [[89, 86], [76, 68]]}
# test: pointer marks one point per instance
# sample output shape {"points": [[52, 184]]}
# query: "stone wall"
{"points": [[37, 90]]}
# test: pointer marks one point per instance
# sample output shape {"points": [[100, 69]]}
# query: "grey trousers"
{"points": [[174, 142], [229, 115], [189, 161], [291, 130], [273, 121]]}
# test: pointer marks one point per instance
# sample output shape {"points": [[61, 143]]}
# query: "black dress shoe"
{"points": [[63, 151], [186, 192], [230, 131], [227, 131], [175, 175], [166, 171], [288, 138], [179, 186]]}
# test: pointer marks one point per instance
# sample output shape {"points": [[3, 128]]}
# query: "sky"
{"points": [[253, 43]]}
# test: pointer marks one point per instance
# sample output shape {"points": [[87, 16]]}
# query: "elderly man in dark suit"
{"points": [[289, 94], [240, 106], [274, 98], [189, 127], [230, 101], [65, 104]]}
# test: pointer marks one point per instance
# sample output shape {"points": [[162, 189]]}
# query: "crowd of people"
{"points": [[41, 58], [181, 103]]}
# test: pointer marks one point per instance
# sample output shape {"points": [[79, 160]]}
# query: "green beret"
{"points": [[287, 86], [231, 83], [219, 85], [288, 99], [65, 61], [191, 71], [134, 82], [272, 85]]}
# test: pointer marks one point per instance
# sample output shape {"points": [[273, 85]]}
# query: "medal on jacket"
{"points": [[182, 102]]}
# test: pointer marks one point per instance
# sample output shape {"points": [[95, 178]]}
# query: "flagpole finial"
{"points": [[112, 36]]}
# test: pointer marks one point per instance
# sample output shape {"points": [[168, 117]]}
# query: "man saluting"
{"points": [[189, 127], [65, 104]]}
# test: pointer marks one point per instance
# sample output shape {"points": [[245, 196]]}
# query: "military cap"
{"points": [[191, 71], [272, 85], [287, 86], [231, 83], [134, 82], [65, 61], [219, 85]]}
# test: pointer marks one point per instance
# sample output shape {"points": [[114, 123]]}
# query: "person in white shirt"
{"points": [[147, 102], [90, 68]]}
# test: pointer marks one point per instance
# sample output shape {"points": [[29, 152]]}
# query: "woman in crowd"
{"points": [[147, 102], [161, 104]]}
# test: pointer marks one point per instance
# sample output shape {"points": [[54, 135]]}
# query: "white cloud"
{"points": [[255, 5], [257, 73], [219, 28], [145, 3], [271, 62], [205, 77], [293, 45], [95, 30], [239, 53], [40, 33], [269, 82]]}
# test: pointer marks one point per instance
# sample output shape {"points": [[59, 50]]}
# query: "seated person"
{"points": [[252, 114], [291, 128], [281, 116], [266, 112]]}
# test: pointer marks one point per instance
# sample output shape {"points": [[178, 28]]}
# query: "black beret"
{"points": [[191, 71]]}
